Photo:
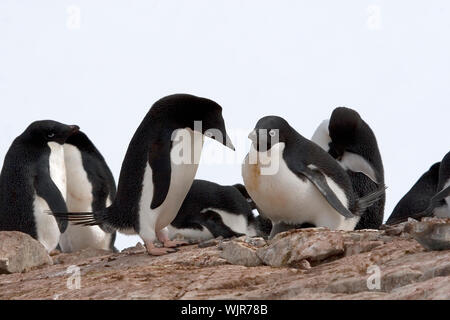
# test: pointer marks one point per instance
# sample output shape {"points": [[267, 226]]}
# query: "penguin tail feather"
{"points": [[81, 218], [369, 200]]}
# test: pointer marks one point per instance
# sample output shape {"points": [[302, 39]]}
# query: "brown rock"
{"points": [[290, 248], [240, 253], [432, 233], [19, 252], [406, 271]]}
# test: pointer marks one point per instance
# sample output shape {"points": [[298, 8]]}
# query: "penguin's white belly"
{"points": [[284, 197], [46, 226], [77, 238], [57, 167], [181, 179], [79, 188], [79, 199], [444, 211], [322, 136], [190, 234]]}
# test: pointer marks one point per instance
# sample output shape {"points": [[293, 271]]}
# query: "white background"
{"points": [[101, 64]]}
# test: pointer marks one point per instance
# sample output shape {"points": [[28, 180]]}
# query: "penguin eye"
{"points": [[208, 134], [272, 133], [249, 200], [51, 135]]}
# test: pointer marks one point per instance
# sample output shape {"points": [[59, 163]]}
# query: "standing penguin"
{"points": [[159, 169], [304, 185], [90, 187], [350, 140], [211, 210], [418, 199], [33, 181]]}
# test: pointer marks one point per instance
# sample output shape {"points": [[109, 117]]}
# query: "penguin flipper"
{"points": [[440, 196], [319, 181], [434, 203], [159, 161], [47, 189]]}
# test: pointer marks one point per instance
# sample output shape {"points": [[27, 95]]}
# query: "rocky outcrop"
{"points": [[310, 264], [19, 252]]}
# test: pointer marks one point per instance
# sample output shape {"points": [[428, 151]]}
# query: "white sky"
{"points": [[390, 60]]}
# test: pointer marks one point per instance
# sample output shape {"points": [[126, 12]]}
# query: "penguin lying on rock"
{"points": [[90, 187], [350, 140], [211, 210], [33, 182], [159, 169], [433, 189], [297, 184], [418, 199]]}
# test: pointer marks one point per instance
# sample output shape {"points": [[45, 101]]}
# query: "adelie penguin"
{"points": [[33, 181], [434, 191], [418, 199], [159, 169], [297, 184], [90, 187], [350, 140], [211, 210]]}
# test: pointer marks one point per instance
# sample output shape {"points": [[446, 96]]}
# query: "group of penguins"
{"points": [[56, 186]]}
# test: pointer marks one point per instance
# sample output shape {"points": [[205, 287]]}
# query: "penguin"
{"points": [[418, 199], [158, 170], [33, 181], [90, 187], [296, 183], [211, 210], [350, 140]]}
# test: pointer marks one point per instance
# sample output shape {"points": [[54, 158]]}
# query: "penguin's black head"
{"points": [[50, 131], [344, 123], [198, 114], [269, 131]]}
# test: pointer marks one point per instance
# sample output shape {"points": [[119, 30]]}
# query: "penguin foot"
{"points": [[154, 251], [175, 243]]}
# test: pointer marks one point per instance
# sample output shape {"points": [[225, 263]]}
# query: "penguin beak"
{"points": [[253, 136], [228, 143]]}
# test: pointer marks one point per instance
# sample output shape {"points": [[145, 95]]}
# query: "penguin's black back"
{"points": [[205, 194], [349, 132], [20, 168], [418, 198]]}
